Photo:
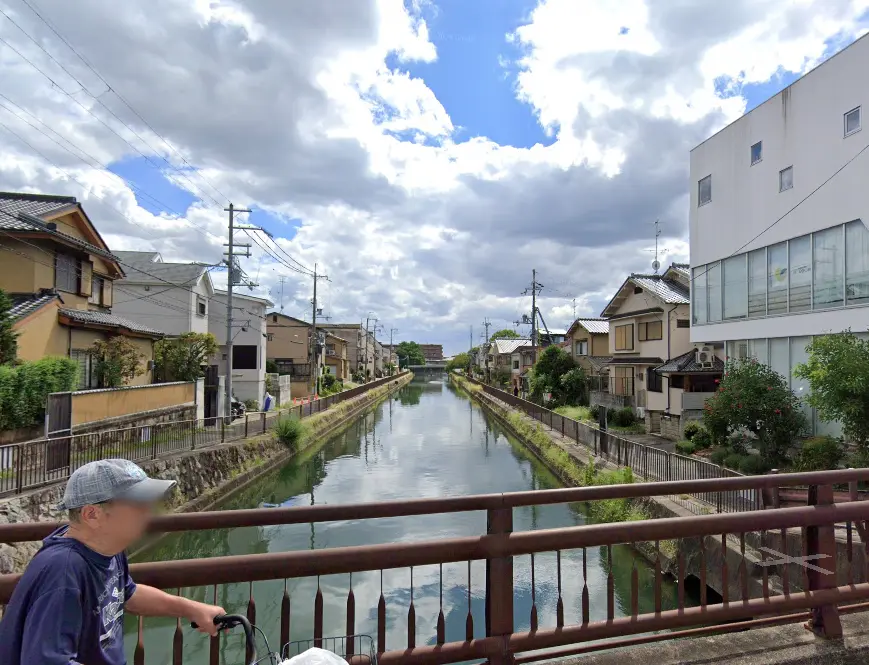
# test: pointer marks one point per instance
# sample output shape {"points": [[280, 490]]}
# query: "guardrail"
{"points": [[761, 586], [645, 461], [29, 465]]}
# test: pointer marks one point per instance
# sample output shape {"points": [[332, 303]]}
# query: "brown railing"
{"points": [[25, 466], [758, 587], [647, 462]]}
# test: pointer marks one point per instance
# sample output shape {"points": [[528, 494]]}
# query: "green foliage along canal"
{"points": [[427, 440]]}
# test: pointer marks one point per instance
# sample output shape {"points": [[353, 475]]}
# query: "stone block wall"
{"points": [[653, 421], [671, 427]]}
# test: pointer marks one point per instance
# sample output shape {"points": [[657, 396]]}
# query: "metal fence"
{"points": [[645, 461], [757, 588], [25, 466]]}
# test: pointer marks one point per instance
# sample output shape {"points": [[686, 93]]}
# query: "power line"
{"points": [[51, 27]]}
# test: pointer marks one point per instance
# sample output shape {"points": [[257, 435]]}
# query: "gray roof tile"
{"points": [[141, 269], [38, 205], [595, 326], [509, 345], [687, 364], [27, 303], [85, 317], [667, 290]]}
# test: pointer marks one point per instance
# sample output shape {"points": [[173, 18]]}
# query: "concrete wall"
{"points": [[92, 405], [40, 335], [246, 383]]}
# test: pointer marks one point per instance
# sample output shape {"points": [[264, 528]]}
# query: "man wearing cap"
{"points": [[68, 607]]}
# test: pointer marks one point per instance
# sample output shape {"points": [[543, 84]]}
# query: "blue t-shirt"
{"points": [[68, 607]]}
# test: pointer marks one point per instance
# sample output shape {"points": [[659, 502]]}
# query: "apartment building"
{"points": [[779, 242]]}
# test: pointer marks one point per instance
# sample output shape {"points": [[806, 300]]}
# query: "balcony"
{"points": [[610, 401], [694, 401]]}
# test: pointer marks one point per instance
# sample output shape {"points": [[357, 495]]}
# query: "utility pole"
{"points": [[392, 332], [282, 279], [231, 276], [535, 288], [486, 324], [315, 340]]}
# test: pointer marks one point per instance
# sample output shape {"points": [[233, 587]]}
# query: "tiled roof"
{"points": [[85, 317], [667, 290], [509, 345], [38, 205], [142, 269], [599, 362], [594, 326], [687, 364], [27, 303]]}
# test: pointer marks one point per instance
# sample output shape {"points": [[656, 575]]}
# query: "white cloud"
{"points": [[293, 107]]}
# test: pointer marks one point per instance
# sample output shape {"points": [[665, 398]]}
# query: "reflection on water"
{"points": [[427, 440]]}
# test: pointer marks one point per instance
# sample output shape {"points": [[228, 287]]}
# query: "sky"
{"points": [[425, 155]]}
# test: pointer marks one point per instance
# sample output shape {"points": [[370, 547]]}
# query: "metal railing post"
{"points": [[263, 415], [499, 584], [245, 425], [821, 544], [222, 430]]}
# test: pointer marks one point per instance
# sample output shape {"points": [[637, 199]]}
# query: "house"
{"points": [[551, 337], [175, 294], [588, 344], [288, 342], [512, 356], [335, 357], [648, 326], [249, 338], [60, 274], [357, 340], [378, 358], [762, 288]]}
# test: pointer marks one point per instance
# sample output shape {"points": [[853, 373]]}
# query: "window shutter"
{"points": [[107, 293], [84, 284]]}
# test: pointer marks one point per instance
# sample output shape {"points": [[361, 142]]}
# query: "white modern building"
{"points": [[249, 336], [778, 221], [172, 296]]}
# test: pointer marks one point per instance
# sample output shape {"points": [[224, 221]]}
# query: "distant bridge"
{"points": [[433, 368]]}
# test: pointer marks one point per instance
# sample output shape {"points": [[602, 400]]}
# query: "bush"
{"points": [[251, 405], [594, 412], [328, 380], [701, 439], [691, 428], [623, 417], [685, 447], [819, 453], [289, 431], [753, 465], [718, 455], [733, 460], [24, 389]]}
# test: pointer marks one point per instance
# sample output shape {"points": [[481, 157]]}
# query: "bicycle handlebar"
{"points": [[228, 621]]}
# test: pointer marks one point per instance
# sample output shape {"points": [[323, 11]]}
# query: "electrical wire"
{"points": [[51, 27]]}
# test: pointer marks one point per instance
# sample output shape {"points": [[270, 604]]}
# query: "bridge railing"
{"points": [[772, 566], [647, 462]]}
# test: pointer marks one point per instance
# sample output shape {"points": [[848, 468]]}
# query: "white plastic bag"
{"points": [[315, 656]]}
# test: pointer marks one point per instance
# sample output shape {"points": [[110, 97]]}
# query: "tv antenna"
{"points": [[656, 264]]}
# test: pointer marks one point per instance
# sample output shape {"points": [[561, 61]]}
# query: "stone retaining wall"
{"points": [[204, 476]]}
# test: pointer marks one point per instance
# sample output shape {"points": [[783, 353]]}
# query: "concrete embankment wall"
{"points": [[205, 477]]}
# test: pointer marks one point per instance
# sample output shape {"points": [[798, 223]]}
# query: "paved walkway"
{"points": [[650, 440]]}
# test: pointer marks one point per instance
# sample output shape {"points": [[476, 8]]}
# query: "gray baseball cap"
{"points": [[109, 479]]}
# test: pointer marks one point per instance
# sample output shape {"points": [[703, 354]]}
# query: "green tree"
{"points": [[8, 337], [500, 377], [574, 385], [552, 365], [116, 361], [410, 353], [838, 374], [182, 358], [754, 398], [506, 333], [459, 361]]}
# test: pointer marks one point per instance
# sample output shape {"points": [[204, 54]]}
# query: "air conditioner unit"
{"points": [[641, 412], [705, 356]]}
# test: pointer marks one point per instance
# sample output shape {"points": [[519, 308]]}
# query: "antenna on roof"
{"points": [[656, 264]]}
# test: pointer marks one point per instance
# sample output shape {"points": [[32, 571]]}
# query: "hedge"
{"points": [[24, 389]]}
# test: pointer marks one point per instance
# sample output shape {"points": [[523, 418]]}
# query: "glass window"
{"points": [[623, 380], [625, 337], [650, 330], [66, 273], [244, 357], [735, 287], [582, 347], [779, 356], [856, 263], [757, 283], [756, 152], [800, 271], [654, 382], [698, 294], [713, 290], [96, 290], [757, 349], [852, 121], [828, 268], [704, 190], [736, 350], [777, 278], [786, 179]]}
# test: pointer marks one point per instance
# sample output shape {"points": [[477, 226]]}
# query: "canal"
{"points": [[427, 440]]}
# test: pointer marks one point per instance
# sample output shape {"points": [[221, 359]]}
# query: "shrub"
{"points": [[594, 412], [702, 439], [718, 455], [289, 431], [251, 405], [327, 380], [623, 417], [733, 460], [24, 389], [753, 465], [819, 454], [691, 428], [116, 360], [685, 447]]}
